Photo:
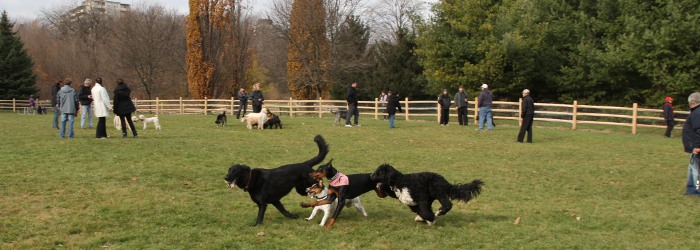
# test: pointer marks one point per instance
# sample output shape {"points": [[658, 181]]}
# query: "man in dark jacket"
{"points": [[462, 106], [123, 106], [669, 117], [85, 98], [352, 105], [257, 97], [691, 144], [445, 102], [485, 102], [54, 102], [391, 106], [527, 115], [242, 103]]}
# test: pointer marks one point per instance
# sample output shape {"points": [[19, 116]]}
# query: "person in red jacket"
{"points": [[669, 117]]}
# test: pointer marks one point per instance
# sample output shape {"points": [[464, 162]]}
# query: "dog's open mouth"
{"points": [[231, 185], [379, 186]]}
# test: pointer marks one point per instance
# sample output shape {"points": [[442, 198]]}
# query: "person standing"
{"points": [[85, 98], [68, 105], [527, 116], [257, 97], [462, 106], [54, 102], [242, 102], [352, 99], [101, 100], [485, 112], [383, 100], [669, 116], [123, 106], [445, 102], [691, 144], [392, 104]]}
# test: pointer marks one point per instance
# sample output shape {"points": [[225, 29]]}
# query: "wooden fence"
{"points": [[574, 114]]}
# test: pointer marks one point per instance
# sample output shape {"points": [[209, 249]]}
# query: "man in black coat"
{"points": [[445, 102], [526, 117], [352, 105], [391, 106], [257, 98], [691, 144]]}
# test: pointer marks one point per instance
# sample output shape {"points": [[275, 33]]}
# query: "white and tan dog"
{"points": [[146, 121], [320, 192], [255, 119], [118, 123]]}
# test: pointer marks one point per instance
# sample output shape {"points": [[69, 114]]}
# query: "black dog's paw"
{"points": [[293, 216]]}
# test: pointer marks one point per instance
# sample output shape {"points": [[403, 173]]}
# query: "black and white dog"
{"points": [[320, 192], [419, 190], [339, 114], [272, 121], [221, 119]]}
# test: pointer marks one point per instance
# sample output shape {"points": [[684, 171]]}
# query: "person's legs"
{"points": [[101, 130], [123, 120], [238, 115], [391, 120], [529, 129], [669, 128], [356, 113], [131, 124], [489, 117], [482, 117], [83, 113], [351, 111], [691, 186], [56, 114], [89, 108], [71, 120], [462, 115], [64, 118], [523, 128]]}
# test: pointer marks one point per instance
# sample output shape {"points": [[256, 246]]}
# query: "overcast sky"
{"points": [[30, 9]]}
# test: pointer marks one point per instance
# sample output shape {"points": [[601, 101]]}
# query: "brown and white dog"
{"points": [[255, 119], [320, 192]]}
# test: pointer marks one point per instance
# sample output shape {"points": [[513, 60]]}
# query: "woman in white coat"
{"points": [[101, 102]]}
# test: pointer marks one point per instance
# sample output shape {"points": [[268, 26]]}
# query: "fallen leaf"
{"points": [[186, 183], [573, 214], [578, 218], [261, 234], [134, 178], [517, 221]]}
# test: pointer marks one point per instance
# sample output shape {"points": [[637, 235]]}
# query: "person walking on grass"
{"points": [[445, 102], [462, 106], [691, 144], [123, 107], [101, 100], [242, 103], [54, 102], [485, 111], [68, 105], [352, 99], [527, 116], [257, 97], [392, 104], [85, 98], [669, 116]]}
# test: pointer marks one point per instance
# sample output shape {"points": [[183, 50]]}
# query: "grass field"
{"points": [[570, 189]]}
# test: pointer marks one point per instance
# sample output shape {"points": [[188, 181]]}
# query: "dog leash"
{"points": [[697, 171], [250, 175]]}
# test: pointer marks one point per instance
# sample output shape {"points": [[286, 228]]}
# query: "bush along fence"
{"points": [[574, 114]]}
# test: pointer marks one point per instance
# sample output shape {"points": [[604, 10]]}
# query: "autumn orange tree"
{"points": [[308, 52]]}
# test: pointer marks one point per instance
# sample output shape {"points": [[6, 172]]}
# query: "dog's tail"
{"points": [[465, 192], [322, 151]]}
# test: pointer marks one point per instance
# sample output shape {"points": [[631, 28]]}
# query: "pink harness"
{"points": [[339, 180]]}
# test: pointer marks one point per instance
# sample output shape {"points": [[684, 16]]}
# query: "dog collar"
{"points": [[250, 174], [335, 176]]}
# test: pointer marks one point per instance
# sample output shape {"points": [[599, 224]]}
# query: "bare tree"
{"points": [[392, 17]]}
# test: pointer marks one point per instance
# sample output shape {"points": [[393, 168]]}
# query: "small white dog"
{"points": [[146, 121], [118, 122], [255, 118], [320, 192]]}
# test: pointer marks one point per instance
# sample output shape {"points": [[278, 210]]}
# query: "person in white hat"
{"points": [[527, 115], [485, 112]]}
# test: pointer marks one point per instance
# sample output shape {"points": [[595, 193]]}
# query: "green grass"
{"points": [[166, 189]]}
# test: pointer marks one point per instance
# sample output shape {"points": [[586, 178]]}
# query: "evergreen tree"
{"points": [[349, 56], [17, 78]]}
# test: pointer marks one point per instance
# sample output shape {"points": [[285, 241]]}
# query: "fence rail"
{"points": [[573, 114]]}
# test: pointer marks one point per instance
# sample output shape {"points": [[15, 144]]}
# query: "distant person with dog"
{"points": [[352, 99], [101, 99], [445, 102], [527, 116], [462, 106], [85, 98], [485, 111], [392, 104], [242, 103], [691, 144], [54, 102], [68, 105], [669, 116], [257, 97], [123, 107]]}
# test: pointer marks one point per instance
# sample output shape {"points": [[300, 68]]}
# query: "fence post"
{"points": [[438, 111], [634, 118], [182, 108], [376, 108], [291, 112], [14, 106], [157, 106], [232, 101], [406, 108], [476, 111], [320, 107], [206, 104], [574, 117]]}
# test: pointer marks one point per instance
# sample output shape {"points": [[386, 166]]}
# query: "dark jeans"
{"points": [[127, 118], [101, 127], [526, 127], [669, 127], [243, 106], [56, 114], [444, 116], [462, 116], [352, 111], [257, 108]]}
